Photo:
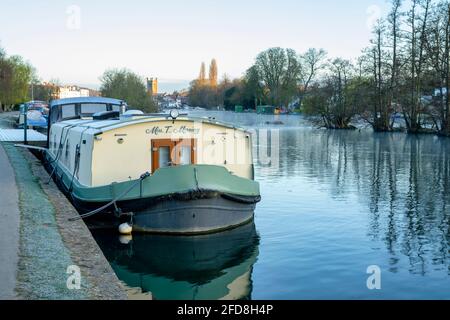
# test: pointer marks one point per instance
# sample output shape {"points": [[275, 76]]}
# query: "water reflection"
{"points": [[404, 181], [332, 204], [217, 266]]}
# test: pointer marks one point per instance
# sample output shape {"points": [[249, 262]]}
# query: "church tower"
{"points": [[152, 86]]}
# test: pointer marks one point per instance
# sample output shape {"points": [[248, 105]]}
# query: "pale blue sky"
{"points": [[170, 38]]}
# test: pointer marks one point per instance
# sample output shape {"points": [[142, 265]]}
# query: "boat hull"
{"points": [[193, 216], [194, 199], [193, 213]]}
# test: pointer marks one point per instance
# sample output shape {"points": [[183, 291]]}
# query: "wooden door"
{"points": [[162, 153], [167, 152], [185, 152]]}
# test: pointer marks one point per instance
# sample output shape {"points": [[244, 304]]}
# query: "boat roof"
{"points": [[107, 125], [85, 100]]}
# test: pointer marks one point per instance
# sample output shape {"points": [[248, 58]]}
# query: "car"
{"points": [[37, 114]]}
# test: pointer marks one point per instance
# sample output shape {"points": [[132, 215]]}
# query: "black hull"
{"points": [[193, 213]]}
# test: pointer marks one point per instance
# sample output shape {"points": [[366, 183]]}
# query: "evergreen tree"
{"points": [[202, 75], [213, 73]]}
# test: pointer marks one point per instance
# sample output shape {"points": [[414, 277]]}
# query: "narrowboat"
{"points": [[170, 173]]}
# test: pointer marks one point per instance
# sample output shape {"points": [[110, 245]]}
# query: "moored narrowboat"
{"points": [[170, 173]]}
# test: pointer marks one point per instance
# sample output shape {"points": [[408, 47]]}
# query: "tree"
{"points": [[378, 66], [5, 78], [279, 70], [201, 95], [417, 22], [289, 86], [311, 62], [15, 77], [333, 100], [270, 65], [128, 86], [252, 90], [202, 75], [394, 23], [437, 47], [213, 73], [43, 91]]}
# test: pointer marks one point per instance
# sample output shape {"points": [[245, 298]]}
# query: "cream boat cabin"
{"points": [[173, 172]]}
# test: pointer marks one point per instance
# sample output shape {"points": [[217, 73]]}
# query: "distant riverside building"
{"points": [[152, 86], [48, 90], [72, 92], [76, 92]]}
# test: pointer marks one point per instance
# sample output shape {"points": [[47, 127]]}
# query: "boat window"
{"points": [[68, 111], [91, 108], [185, 155], [164, 157], [115, 107]]}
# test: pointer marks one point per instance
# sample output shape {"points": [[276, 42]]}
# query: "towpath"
{"points": [[9, 228], [38, 243]]}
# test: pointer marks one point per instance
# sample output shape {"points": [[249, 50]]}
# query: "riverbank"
{"points": [[49, 243], [40, 244], [9, 229]]}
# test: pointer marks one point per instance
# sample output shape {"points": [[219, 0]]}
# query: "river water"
{"points": [[334, 203]]}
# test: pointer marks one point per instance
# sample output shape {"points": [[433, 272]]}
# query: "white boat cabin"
{"points": [[97, 143]]}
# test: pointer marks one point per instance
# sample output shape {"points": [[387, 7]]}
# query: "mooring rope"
{"points": [[91, 213]]}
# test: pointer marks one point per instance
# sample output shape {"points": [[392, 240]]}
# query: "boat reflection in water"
{"points": [[215, 266]]}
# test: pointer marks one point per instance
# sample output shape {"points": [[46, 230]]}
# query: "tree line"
{"points": [[19, 83], [126, 85], [279, 77], [400, 81], [15, 78]]}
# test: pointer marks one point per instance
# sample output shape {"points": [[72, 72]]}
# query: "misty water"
{"points": [[333, 204]]}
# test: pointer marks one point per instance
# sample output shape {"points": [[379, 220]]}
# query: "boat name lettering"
{"points": [[171, 129]]}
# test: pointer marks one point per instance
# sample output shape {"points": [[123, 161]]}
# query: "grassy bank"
{"points": [[43, 257]]}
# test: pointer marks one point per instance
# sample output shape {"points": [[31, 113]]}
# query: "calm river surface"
{"points": [[333, 204]]}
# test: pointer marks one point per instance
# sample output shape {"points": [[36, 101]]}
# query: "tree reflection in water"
{"points": [[402, 179]]}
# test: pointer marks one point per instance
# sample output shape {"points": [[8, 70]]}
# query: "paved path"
{"points": [[9, 228]]}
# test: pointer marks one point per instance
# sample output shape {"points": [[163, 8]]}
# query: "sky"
{"points": [[76, 41]]}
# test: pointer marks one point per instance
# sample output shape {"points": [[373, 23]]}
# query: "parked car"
{"points": [[37, 114]]}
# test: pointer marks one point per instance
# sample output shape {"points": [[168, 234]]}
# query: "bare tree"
{"points": [[438, 38], [394, 21], [311, 62], [417, 21]]}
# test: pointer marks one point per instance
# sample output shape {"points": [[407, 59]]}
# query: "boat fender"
{"points": [[125, 228]]}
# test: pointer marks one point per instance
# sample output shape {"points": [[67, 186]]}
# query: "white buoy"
{"points": [[125, 228]]}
